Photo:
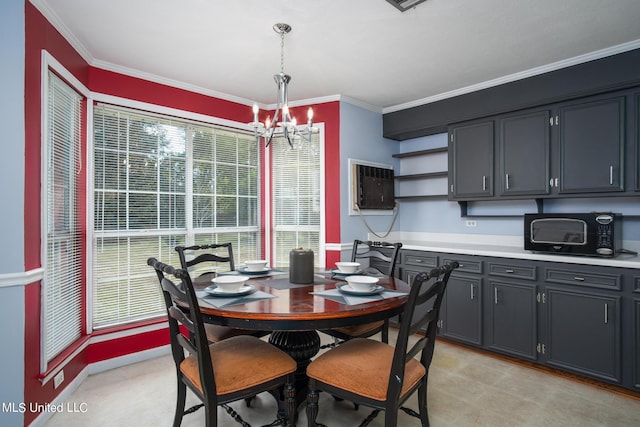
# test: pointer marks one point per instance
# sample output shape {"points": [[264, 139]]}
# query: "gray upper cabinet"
{"points": [[575, 148], [471, 160], [524, 154], [591, 146]]}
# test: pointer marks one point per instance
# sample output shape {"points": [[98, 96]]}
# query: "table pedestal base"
{"points": [[301, 346]]}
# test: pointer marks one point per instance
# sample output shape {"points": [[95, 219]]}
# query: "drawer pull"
{"points": [[510, 271], [578, 278]]}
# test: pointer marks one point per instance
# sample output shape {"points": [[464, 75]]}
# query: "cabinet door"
{"points": [[584, 333], [636, 316], [461, 311], [524, 154], [513, 317], [471, 161], [591, 144], [637, 128]]}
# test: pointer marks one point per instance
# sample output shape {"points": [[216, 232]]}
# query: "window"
{"points": [[158, 183], [63, 211], [297, 198]]}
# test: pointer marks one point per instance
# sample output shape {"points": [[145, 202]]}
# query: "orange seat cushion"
{"points": [[241, 362], [363, 366]]}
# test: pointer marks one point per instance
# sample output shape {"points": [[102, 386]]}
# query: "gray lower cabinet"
{"points": [[579, 318], [636, 337], [583, 332], [513, 313], [461, 310]]}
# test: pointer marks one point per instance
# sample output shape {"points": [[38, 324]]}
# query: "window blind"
{"points": [[158, 183], [296, 175], [63, 281]]}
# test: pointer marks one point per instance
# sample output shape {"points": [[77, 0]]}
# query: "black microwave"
{"points": [[591, 234]]}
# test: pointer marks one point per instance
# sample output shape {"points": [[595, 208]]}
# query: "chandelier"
{"points": [[283, 123]]}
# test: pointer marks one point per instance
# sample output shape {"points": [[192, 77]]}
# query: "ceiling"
{"points": [[365, 51]]}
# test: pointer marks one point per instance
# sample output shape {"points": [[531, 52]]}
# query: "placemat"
{"points": [[284, 283], [336, 295], [219, 302]]}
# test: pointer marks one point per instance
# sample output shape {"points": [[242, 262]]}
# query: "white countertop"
{"points": [[500, 246], [624, 260]]}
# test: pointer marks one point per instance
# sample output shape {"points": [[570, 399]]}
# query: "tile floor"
{"points": [[466, 388]]}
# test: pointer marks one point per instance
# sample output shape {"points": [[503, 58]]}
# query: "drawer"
{"points": [[581, 277], [465, 265], [527, 272], [424, 260]]}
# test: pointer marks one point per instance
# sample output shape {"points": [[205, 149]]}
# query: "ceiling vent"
{"points": [[403, 5]]}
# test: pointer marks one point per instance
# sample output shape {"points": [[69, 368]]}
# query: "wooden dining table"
{"points": [[294, 313]]}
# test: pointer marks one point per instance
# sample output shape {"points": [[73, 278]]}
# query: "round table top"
{"points": [[294, 308]]}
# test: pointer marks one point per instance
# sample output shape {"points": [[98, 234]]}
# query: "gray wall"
{"points": [[12, 40]]}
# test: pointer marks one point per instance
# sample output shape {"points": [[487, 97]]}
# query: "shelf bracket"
{"points": [[463, 209]]}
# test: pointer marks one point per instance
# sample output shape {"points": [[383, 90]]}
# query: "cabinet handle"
{"points": [[555, 181], [611, 175], [551, 182], [578, 279], [484, 183], [473, 295], [538, 296], [495, 295], [556, 120], [508, 270], [606, 314], [506, 179]]}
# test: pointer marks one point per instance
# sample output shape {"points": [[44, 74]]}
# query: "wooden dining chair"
{"points": [[381, 259], [376, 374], [234, 369], [205, 260]]}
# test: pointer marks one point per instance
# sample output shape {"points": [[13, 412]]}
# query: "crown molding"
{"points": [[591, 56]]}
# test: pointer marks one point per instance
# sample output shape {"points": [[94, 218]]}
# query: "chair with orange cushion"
{"points": [[233, 369], [381, 259], [376, 374], [203, 262]]}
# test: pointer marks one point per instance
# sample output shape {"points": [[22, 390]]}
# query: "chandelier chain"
{"points": [[282, 52]]}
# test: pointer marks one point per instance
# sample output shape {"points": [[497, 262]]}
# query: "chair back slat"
{"points": [[367, 249], [217, 253], [420, 314]]}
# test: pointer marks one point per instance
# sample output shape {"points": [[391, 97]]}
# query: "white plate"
{"points": [[347, 289], [213, 290], [244, 270], [342, 273]]}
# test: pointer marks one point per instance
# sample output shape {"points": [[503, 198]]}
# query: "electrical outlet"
{"points": [[58, 379], [471, 223]]}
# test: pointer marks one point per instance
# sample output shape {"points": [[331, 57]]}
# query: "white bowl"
{"points": [[229, 283], [348, 267], [256, 265], [362, 283]]}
